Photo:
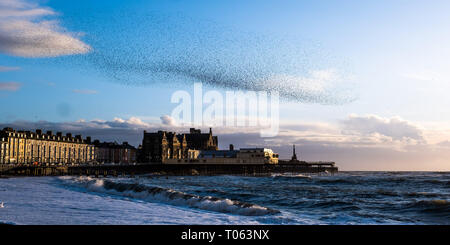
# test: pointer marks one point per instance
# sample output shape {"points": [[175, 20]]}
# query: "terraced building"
{"points": [[26, 147]]}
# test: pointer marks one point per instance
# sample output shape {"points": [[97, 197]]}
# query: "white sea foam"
{"points": [[291, 175], [2, 222], [169, 196]]}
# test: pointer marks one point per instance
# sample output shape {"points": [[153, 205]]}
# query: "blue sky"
{"points": [[391, 56]]}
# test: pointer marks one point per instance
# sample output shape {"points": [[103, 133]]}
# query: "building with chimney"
{"points": [[26, 147], [201, 141], [160, 146], [113, 152]]}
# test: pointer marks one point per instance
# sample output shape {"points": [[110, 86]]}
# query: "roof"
{"points": [[114, 145], [40, 135]]}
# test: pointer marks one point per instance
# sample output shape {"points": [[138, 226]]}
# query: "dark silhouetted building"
{"points": [[162, 145], [198, 141], [113, 152]]}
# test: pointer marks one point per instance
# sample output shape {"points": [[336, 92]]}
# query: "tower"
{"points": [[294, 156]]}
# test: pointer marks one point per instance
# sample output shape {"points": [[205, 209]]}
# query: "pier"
{"points": [[167, 169]]}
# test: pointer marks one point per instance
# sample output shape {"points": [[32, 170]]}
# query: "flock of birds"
{"points": [[178, 50]]}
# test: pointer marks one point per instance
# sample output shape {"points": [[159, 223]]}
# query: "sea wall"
{"points": [[167, 169]]}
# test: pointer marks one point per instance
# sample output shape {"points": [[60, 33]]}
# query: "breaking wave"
{"points": [[169, 196], [289, 176], [7, 223]]}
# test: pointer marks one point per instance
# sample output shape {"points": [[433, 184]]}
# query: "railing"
{"points": [[165, 169]]}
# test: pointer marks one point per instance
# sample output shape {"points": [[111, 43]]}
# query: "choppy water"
{"points": [[345, 198]]}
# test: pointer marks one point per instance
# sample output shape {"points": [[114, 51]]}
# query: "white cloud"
{"points": [[132, 122], [10, 86], [137, 122], [168, 120], [24, 32], [395, 127]]}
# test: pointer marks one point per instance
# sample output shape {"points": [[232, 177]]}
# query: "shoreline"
{"points": [[167, 170]]}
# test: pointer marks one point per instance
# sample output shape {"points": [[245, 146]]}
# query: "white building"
{"points": [[242, 156]]}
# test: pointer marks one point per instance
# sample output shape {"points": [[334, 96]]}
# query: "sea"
{"points": [[294, 199]]}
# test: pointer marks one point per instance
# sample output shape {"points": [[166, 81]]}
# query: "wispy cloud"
{"points": [[84, 91], [26, 30], [10, 86], [8, 68]]}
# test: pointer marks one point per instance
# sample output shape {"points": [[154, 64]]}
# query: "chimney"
{"points": [[50, 133], [69, 135], [78, 136], [231, 147], [59, 134], [88, 139], [38, 131]]}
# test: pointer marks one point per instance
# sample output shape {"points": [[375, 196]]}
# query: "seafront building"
{"points": [[197, 140], [113, 152], [231, 156], [26, 147], [3, 148], [161, 147], [196, 147]]}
